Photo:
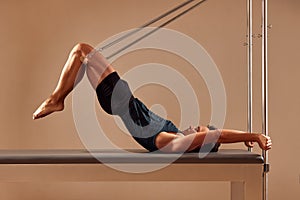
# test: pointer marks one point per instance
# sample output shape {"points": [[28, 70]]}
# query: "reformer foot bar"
{"points": [[243, 169]]}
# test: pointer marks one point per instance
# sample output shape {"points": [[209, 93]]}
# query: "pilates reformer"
{"points": [[246, 171], [243, 169]]}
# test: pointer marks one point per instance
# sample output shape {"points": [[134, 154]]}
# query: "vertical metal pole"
{"points": [[249, 60], [265, 91]]}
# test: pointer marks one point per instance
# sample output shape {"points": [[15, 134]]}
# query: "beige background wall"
{"points": [[36, 36]]}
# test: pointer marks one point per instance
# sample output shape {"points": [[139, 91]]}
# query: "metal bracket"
{"points": [[266, 167]]}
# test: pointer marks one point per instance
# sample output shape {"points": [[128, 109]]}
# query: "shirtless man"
{"points": [[115, 97]]}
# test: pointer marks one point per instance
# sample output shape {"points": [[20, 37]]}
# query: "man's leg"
{"points": [[96, 66]]}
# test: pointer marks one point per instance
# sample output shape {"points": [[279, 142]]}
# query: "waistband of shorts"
{"points": [[112, 77]]}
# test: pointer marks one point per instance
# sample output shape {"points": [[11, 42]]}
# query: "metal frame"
{"points": [[265, 116], [264, 83], [249, 60]]}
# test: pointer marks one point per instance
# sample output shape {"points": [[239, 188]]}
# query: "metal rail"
{"points": [[116, 41], [155, 29], [249, 62], [265, 116]]}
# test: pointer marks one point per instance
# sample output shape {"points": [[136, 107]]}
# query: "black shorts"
{"points": [[116, 98]]}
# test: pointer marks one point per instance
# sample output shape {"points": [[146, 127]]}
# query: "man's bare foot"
{"points": [[264, 142], [47, 107]]}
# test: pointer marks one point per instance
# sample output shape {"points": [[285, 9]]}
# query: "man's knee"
{"points": [[82, 48]]}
